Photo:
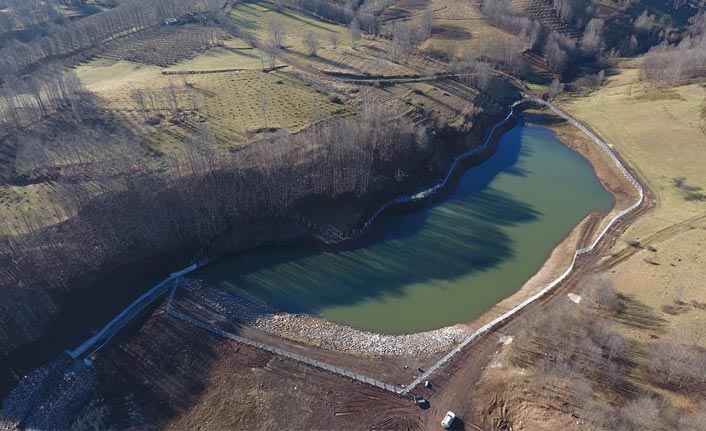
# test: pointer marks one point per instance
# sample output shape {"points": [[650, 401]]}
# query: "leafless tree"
{"points": [[695, 420], [592, 40], [333, 39], [277, 32], [645, 23], [171, 95], [614, 346], [312, 43], [599, 415], [641, 414], [602, 292], [555, 88], [575, 12], [428, 20], [138, 96], [667, 63], [560, 51], [354, 30]]}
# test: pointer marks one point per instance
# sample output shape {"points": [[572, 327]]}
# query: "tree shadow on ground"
{"points": [[640, 316], [453, 32]]}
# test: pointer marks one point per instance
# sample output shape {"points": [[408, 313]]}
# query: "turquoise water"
{"points": [[441, 265]]}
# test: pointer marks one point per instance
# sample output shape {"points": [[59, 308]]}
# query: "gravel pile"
{"points": [[49, 398], [325, 333]]}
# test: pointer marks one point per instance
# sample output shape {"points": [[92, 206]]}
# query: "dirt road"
{"points": [[453, 386]]}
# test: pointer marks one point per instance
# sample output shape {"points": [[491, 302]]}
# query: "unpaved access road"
{"points": [[454, 384]]}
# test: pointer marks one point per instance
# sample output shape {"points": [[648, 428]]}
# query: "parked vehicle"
{"points": [[448, 419]]}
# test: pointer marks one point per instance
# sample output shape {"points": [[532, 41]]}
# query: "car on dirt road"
{"points": [[448, 419]]}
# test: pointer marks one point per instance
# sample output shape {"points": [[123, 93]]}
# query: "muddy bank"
{"points": [[584, 233]]}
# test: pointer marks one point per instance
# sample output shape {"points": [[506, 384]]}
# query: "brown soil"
{"points": [[185, 378]]}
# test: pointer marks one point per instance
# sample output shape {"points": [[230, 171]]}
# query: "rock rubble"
{"points": [[324, 333]]}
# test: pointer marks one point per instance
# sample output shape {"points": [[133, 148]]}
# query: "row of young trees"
{"points": [[25, 101], [18, 58]]}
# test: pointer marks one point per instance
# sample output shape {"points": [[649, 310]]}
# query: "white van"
{"points": [[448, 419]]}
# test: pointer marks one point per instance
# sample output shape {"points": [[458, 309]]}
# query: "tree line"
{"points": [[670, 63], [202, 196], [24, 101], [18, 58]]}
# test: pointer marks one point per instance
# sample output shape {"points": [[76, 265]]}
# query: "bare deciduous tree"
{"points": [[592, 40], [277, 32], [311, 43], [138, 96], [333, 39], [354, 30]]}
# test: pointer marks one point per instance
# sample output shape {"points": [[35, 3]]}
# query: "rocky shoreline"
{"points": [[322, 332]]}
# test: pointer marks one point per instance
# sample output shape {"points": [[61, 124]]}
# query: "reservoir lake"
{"points": [[443, 264]]}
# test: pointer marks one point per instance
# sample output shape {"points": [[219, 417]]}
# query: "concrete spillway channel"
{"points": [[103, 337]]}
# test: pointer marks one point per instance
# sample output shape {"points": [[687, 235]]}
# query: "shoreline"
{"points": [[324, 333], [320, 332]]}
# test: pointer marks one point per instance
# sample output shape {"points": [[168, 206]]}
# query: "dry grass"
{"points": [[460, 26], [662, 134], [233, 55], [255, 18], [228, 103]]}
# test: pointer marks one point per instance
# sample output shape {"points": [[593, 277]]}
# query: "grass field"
{"points": [[232, 55], [460, 26], [662, 134], [228, 103], [255, 18]]}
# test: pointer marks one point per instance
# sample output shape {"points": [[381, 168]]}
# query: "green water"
{"points": [[441, 265]]}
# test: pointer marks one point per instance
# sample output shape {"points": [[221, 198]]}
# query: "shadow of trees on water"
{"points": [[461, 235]]}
